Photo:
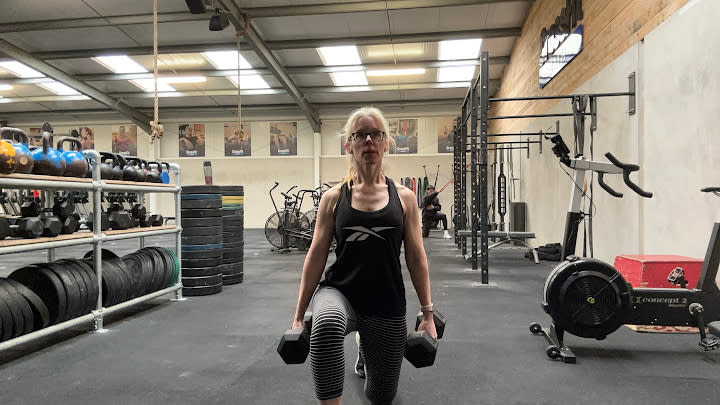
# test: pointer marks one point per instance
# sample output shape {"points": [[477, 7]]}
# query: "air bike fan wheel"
{"points": [[587, 297]]}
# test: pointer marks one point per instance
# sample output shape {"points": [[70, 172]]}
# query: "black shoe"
{"points": [[360, 366]]}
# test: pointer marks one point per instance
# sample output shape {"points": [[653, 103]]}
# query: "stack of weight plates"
{"points": [[202, 244], [233, 198]]}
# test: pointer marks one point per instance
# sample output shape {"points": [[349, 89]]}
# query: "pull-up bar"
{"points": [[564, 96]]}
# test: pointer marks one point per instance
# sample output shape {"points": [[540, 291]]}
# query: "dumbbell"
{"points": [[52, 225], [4, 228], [30, 209], [119, 218], [294, 345], [421, 348], [63, 207], [104, 222], [25, 227], [156, 220]]}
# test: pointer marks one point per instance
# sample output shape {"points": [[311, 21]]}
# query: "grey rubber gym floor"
{"points": [[220, 349]]}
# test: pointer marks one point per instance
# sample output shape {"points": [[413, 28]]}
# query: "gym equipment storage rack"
{"points": [[96, 187]]}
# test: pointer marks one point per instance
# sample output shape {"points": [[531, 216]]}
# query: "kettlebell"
{"points": [[136, 163], [7, 157], [24, 162], [48, 161], [153, 175], [128, 171], [108, 171], [75, 163], [165, 173]]}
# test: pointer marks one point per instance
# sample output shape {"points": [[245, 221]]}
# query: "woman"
{"points": [[363, 290]]}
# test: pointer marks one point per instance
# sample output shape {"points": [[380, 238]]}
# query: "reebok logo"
{"points": [[362, 233]]}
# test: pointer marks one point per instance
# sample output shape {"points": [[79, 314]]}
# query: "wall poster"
{"points": [[445, 134], [404, 133], [86, 136], [283, 138], [237, 144], [124, 140], [191, 140]]}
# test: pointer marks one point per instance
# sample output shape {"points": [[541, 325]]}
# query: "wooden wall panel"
{"points": [[610, 27]]}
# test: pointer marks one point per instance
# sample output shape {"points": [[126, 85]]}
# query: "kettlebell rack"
{"points": [[97, 237]]}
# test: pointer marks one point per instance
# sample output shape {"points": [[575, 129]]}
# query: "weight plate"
{"points": [[234, 272], [47, 286], [176, 266], [201, 222], [83, 289], [200, 196], [202, 240], [208, 213], [232, 189], [202, 272], [234, 267], [232, 239], [202, 254], [118, 283], [159, 265], [201, 231], [228, 219], [234, 224], [233, 254], [237, 208], [21, 305], [197, 263], [137, 272], [200, 204], [206, 189], [127, 287], [198, 291], [7, 324], [93, 288], [233, 213], [168, 266], [18, 317], [233, 229], [72, 291], [230, 280], [231, 260], [233, 245], [202, 281], [195, 248], [41, 316]]}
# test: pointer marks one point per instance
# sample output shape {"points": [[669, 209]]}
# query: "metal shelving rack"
{"points": [[97, 237], [475, 109]]}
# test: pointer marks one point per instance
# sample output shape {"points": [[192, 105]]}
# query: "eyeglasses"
{"points": [[360, 136]]}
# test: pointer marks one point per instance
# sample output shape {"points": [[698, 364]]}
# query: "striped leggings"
{"points": [[382, 346]]}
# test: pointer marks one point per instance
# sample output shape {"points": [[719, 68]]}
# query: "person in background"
{"points": [[431, 211]]}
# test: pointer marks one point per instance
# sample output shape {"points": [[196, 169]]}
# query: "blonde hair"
{"points": [[347, 130]]}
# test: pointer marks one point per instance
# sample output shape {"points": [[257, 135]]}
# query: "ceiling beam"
{"points": [[142, 120], [270, 60], [428, 64], [225, 109], [254, 12], [288, 44]]}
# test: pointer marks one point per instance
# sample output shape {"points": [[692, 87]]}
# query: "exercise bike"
{"points": [[288, 228], [589, 298]]}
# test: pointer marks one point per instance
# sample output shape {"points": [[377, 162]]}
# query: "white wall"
{"points": [[673, 137], [257, 173]]}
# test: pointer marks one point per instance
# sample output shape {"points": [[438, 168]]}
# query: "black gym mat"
{"points": [[217, 350]]}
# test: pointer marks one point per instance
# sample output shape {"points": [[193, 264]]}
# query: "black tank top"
{"points": [[367, 270]]}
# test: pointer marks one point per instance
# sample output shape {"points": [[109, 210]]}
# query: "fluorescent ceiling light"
{"points": [[59, 88], [339, 55], [459, 49], [4, 86], [249, 82], [120, 64], [349, 78], [20, 70], [226, 60], [395, 72], [396, 50], [183, 79], [456, 74], [149, 85]]}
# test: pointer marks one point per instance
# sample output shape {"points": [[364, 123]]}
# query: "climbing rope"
{"points": [[157, 128]]}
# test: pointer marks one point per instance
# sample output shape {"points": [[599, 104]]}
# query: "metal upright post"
{"points": [[178, 236], [484, 105], [48, 199], [456, 185], [474, 208], [97, 236], [141, 200], [463, 180]]}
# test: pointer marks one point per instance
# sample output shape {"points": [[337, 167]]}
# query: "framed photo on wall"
{"points": [[35, 136], [86, 136], [191, 140], [404, 134], [237, 143], [445, 134], [124, 140], [283, 138]]}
